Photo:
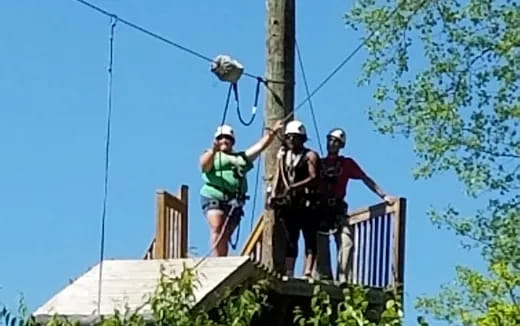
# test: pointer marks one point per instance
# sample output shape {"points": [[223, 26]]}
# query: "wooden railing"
{"points": [[379, 243], [171, 235]]}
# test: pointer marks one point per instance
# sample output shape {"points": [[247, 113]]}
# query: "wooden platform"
{"points": [[128, 283]]}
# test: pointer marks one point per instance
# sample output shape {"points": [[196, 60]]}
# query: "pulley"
{"points": [[227, 68]]}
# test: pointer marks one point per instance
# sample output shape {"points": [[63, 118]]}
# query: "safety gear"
{"points": [[339, 134], [295, 127], [227, 69], [225, 130]]}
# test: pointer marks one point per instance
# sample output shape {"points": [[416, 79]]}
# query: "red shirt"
{"points": [[335, 173]]}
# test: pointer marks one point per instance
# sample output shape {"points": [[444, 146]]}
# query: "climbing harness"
{"points": [[334, 208]]}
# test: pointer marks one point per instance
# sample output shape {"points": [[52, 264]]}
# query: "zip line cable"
{"points": [[311, 107], [340, 65], [161, 38], [113, 23], [143, 30]]}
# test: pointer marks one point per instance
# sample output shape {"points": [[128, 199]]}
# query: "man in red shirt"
{"points": [[336, 171]]}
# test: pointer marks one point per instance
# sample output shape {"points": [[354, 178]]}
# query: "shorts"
{"points": [[230, 208]]}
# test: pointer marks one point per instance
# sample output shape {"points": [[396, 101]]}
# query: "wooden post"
{"points": [[279, 103], [184, 222], [160, 233], [398, 243]]}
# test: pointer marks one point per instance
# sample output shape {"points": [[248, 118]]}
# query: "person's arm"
{"points": [[254, 151], [206, 159], [372, 185], [313, 160], [357, 173]]}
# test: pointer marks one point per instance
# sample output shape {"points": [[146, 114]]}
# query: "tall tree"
{"points": [[446, 75]]}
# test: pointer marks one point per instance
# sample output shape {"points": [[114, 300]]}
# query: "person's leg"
{"points": [[324, 269], [218, 236], [344, 243], [293, 235], [216, 216], [310, 232]]}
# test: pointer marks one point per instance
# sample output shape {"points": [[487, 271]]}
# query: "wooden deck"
{"points": [[128, 283], [379, 233]]}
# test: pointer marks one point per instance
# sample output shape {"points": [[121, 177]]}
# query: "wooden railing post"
{"points": [[399, 241], [184, 222], [160, 233]]}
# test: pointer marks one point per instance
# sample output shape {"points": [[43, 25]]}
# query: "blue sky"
{"points": [[53, 59]]}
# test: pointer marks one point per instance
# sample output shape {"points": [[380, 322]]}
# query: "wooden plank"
{"points": [[367, 213], [160, 235], [254, 237], [400, 229], [174, 202], [184, 221], [388, 244], [395, 249]]}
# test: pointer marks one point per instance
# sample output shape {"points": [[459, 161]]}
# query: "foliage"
{"points": [[355, 309], [447, 76], [173, 303]]}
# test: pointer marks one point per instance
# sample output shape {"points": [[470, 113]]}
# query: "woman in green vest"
{"points": [[225, 185]]}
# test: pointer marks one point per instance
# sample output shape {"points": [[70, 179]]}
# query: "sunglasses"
{"points": [[226, 137], [293, 136]]}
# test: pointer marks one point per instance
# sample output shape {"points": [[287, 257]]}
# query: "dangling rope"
{"points": [[113, 23], [259, 81], [255, 194], [226, 106]]}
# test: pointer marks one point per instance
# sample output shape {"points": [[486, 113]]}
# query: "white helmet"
{"points": [[339, 134], [295, 127], [225, 130]]}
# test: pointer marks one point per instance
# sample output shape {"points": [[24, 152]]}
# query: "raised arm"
{"points": [[206, 159], [254, 151], [313, 160]]}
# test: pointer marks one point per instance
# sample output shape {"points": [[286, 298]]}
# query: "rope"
{"points": [[226, 106], [311, 107], [339, 66], [147, 32], [113, 23], [165, 40], [255, 194], [255, 105], [235, 243], [257, 181]]}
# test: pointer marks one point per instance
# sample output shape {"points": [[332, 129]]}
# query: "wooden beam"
{"points": [[160, 233], [399, 244], [253, 237], [184, 225], [279, 103]]}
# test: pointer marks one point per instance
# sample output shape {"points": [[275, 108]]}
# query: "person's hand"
{"points": [[278, 125], [215, 146]]}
